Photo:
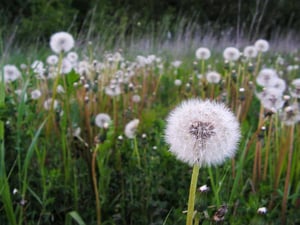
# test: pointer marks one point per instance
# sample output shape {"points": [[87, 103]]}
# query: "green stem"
{"points": [[192, 195], [136, 152], [213, 186]]}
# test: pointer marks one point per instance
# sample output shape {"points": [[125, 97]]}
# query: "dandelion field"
{"points": [[83, 136]]}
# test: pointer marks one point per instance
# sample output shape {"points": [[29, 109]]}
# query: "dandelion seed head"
{"points": [[52, 60], [262, 45], [250, 52], [11, 73], [213, 77], [203, 53], [131, 128], [61, 42], [36, 94], [102, 120], [265, 76], [202, 132], [290, 115], [231, 54]]}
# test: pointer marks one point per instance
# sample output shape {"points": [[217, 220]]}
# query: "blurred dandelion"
{"points": [[231, 54], [11, 73], [130, 128], [203, 53], [61, 42], [262, 45], [102, 120]]}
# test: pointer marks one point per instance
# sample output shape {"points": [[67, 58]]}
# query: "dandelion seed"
{"points": [[131, 128], [262, 45], [61, 42], [102, 120], [202, 132], [203, 53]]}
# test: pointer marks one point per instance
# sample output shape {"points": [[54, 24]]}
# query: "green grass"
{"points": [[101, 176]]}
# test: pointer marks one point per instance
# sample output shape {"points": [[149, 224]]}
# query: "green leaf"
{"points": [[75, 216]]}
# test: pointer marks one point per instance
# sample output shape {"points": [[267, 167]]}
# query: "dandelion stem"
{"points": [[287, 178], [98, 207], [192, 194]]}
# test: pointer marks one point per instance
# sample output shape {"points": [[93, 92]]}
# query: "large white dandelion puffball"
{"points": [[202, 132], [61, 42]]}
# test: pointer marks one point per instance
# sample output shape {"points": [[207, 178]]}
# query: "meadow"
{"points": [[83, 132]]}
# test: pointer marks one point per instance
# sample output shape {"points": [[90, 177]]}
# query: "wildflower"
{"points": [[278, 84], [130, 128], [250, 52], [113, 90], [290, 115], [136, 98], [231, 54], [177, 82], [52, 60], [265, 76], [176, 63], [49, 102], [202, 132], [38, 67], [203, 53], [213, 77], [262, 45], [11, 73], [36, 94], [295, 88], [262, 210], [66, 66], [72, 57], [271, 99], [61, 42], [102, 120]]}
